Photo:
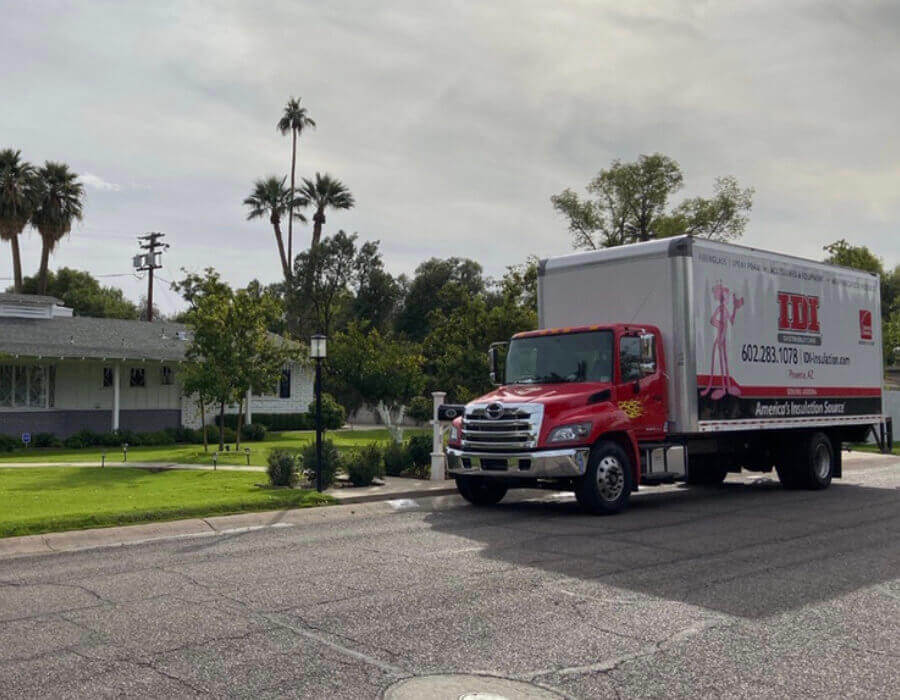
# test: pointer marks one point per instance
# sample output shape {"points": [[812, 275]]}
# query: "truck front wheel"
{"points": [[809, 465], [480, 492], [606, 485]]}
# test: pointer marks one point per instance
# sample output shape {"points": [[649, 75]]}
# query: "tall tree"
{"points": [[294, 119], [628, 203], [325, 192], [60, 202], [270, 198], [17, 200]]}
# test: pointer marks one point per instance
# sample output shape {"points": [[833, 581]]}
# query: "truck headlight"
{"points": [[570, 433], [454, 434]]}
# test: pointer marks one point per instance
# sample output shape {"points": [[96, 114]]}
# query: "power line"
{"points": [[150, 261]]}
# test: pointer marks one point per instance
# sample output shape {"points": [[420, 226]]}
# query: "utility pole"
{"points": [[150, 261]]}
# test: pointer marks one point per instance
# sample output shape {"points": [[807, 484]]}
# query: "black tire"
{"points": [[479, 491], [706, 470], [606, 485], [809, 465]]}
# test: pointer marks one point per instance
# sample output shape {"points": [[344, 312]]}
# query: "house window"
{"points": [[284, 386], [107, 377], [138, 377], [166, 376], [26, 386]]}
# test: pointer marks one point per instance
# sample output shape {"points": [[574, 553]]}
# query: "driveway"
{"points": [[743, 590]]}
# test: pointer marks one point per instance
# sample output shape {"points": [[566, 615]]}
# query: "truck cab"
{"points": [[581, 408]]}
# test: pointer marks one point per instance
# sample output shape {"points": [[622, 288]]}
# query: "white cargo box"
{"points": [[753, 339]]}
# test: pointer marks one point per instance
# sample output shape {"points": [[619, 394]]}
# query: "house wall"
{"points": [[79, 386], [64, 423]]}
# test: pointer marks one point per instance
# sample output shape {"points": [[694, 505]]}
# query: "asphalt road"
{"points": [[743, 590]]}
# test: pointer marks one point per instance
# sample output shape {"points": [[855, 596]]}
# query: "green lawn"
{"points": [[193, 454], [48, 499]]}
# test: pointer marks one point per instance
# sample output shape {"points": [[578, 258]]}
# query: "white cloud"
{"points": [[95, 182]]}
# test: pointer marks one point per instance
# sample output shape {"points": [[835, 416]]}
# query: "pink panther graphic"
{"points": [[720, 320]]}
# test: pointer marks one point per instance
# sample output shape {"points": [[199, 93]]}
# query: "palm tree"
{"points": [[271, 198], [60, 200], [325, 192], [294, 119], [17, 199]]}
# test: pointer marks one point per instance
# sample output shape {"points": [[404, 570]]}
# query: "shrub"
{"points": [[282, 468], [418, 450], [333, 414], [331, 461], [8, 444], [420, 409], [394, 459], [364, 464], [154, 439], [45, 440], [74, 442], [253, 432]]}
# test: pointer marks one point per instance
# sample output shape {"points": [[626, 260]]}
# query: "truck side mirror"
{"points": [[648, 354], [494, 362]]}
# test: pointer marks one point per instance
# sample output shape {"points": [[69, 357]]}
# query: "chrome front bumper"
{"points": [[544, 464]]}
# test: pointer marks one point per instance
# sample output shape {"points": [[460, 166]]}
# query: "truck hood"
{"points": [[554, 396]]}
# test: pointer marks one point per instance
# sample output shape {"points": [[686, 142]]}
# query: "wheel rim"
{"points": [[822, 461], [610, 478]]}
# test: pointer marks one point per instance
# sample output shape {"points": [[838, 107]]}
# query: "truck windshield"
{"points": [[550, 359]]}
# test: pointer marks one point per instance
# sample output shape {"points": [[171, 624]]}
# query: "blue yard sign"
{"points": [[26, 438]]}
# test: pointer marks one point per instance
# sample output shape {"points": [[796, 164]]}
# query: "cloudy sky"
{"points": [[452, 122]]}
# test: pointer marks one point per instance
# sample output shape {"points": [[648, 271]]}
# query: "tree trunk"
{"points": [[291, 208], [395, 428], [42, 271], [222, 426], [318, 220], [203, 421], [17, 264], [240, 423], [278, 238]]}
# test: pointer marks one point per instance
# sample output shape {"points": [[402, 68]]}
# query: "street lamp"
{"points": [[317, 352]]}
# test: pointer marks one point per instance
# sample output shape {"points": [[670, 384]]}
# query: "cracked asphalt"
{"points": [[742, 590]]}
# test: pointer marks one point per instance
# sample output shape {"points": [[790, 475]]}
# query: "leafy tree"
{"points": [[327, 271], [84, 294], [629, 204], [295, 120], [424, 293], [231, 349], [18, 196], [270, 198], [456, 348], [325, 192], [60, 202], [859, 257], [377, 370], [201, 380], [377, 293]]}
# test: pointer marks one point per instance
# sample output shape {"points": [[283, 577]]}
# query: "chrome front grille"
{"points": [[495, 426]]}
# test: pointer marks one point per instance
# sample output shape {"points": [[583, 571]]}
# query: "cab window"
{"points": [[630, 358]]}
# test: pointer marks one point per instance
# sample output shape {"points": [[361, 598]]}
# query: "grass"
{"points": [[867, 447], [50, 499], [194, 454]]}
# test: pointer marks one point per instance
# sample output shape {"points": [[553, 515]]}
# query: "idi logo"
{"points": [[798, 319]]}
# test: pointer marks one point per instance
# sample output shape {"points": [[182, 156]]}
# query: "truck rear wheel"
{"points": [[479, 491], [809, 465], [606, 485]]}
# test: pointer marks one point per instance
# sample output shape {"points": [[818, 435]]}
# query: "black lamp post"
{"points": [[317, 352]]}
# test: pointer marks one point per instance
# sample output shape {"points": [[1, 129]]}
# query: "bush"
{"points": [[364, 464], [282, 468], [394, 459], [331, 461], [8, 444], [253, 432], [154, 439], [333, 414], [420, 409], [418, 450], [45, 440], [74, 442]]}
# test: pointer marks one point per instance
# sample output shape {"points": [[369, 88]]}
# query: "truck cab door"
{"points": [[641, 388]]}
